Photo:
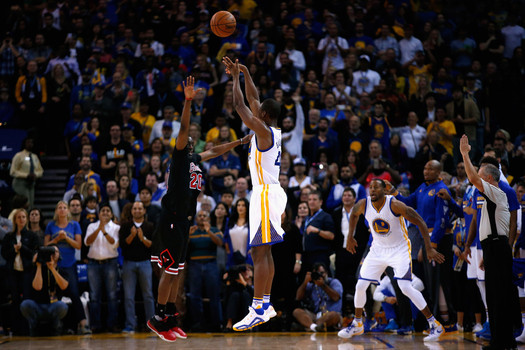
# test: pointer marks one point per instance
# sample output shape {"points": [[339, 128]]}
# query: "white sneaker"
{"points": [[436, 331], [251, 320], [477, 328], [355, 328], [460, 328], [270, 312]]}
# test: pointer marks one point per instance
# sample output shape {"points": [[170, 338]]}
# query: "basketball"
{"points": [[223, 24]]}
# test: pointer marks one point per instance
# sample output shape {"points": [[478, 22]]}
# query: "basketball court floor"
{"points": [[244, 341]]}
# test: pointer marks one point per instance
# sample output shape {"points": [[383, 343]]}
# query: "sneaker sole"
{"points": [[157, 333], [248, 328], [179, 335], [353, 335]]}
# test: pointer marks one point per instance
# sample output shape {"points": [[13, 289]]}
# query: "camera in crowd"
{"points": [[44, 254], [316, 275]]}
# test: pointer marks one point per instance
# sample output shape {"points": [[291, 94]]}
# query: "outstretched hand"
{"points": [[231, 67], [189, 85], [464, 146]]}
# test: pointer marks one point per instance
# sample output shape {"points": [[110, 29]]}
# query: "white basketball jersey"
{"points": [[388, 229], [265, 165]]}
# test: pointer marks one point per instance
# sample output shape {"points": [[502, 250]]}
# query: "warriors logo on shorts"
{"points": [[381, 226]]}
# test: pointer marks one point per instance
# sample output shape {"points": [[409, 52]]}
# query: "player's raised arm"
{"points": [[252, 95], [358, 209], [257, 125], [221, 149], [400, 208], [189, 94]]}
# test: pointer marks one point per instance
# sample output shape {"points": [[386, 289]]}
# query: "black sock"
{"points": [[171, 309], [161, 310]]}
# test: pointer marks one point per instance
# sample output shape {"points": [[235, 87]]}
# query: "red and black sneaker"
{"points": [[162, 329], [172, 323]]}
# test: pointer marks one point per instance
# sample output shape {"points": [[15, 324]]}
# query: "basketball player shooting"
{"points": [[265, 221], [178, 207], [390, 247]]}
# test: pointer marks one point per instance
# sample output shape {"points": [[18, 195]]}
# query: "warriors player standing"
{"points": [[390, 247], [178, 206], [265, 220]]}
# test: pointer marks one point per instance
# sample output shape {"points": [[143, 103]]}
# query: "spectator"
{"points": [[31, 95], [412, 135], [66, 235], [203, 271], [318, 234], [77, 184], [378, 166], [213, 135], [292, 130], [43, 303], [25, 170], [135, 239], [325, 293], [168, 116], [386, 41], [444, 128], [152, 209], [365, 80], [337, 191], [99, 105], [155, 149], [225, 164], [513, 35], [124, 184], [241, 189], [219, 219], [195, 134], [325, 138], [238, 294], [145, 120], [102, 239], [123, 169], [82, 92], [113, 200], [417, 68], [333, 47], [462, 49], [300, 179], [409, 45], [379, 127], [465, 115], [236, 234], [128, 122], [116, 149], [18, 248], [86, 171]]}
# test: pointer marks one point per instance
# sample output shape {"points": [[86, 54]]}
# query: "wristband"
{"points": [[189, 99], [298, 262]]}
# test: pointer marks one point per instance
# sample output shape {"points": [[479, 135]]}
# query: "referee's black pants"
{"points": [[501, 293]]}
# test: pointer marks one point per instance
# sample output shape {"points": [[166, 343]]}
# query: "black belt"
{"points": [[100, 262]]}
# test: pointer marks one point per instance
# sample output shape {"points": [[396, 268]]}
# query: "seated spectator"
{"points": [[227, 163], [85, 165], [300, 179], [238, 294], [214, 133], [123, 169], [18, 248], [444, 128], [135, 239], [77, 184], [43, 303], [195, 134], [145, 119], [366, 79], [125, 193], [325, 293], [99, 105], [346, 179], [170, 116], [158, 149], [203, 272], [326, 138], [168, 141], [241, 189], [102, 238]]}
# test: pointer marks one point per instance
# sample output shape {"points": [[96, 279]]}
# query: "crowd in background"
{"points": [[368, 89]]}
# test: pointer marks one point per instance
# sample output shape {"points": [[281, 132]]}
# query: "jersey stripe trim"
{"points": [[269, 148], [267, 214], [405, 236]]}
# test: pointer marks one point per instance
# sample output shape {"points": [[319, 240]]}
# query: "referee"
{"points": [[497, 255]]}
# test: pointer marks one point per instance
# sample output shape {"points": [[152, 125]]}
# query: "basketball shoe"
{"points": [[355, 328], [162, 329], [254, 318]]}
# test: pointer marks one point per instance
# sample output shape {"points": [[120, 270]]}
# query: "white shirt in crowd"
{"points": [[294, 183], [332, 53], [512, 35], [101, 249], [293, 140], [411, 138], [409, 47], [156, 130]]}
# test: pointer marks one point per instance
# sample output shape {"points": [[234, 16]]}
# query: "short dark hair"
{"points": [[489, 160], [317, 193], [272, 108], [90, 199], [227, 192], [383, 184], [350, 189], [76, 197], [145, 188], [317, 265]]}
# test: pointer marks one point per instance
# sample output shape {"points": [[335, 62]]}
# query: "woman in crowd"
{"points": [[18, 248], [123, 168], [125, 192], [67, 235], [156, 149], [36, 224], [102, 239], [219, 218], [236, 234]]}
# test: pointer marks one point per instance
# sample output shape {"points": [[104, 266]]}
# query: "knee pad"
{"points": [[413, 294]]}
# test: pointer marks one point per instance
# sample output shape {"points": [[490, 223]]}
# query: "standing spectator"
{"points": [[66, 235], [386, 41], [18, 248], [203, 271], [326, 295], [292, 130], [365, 80], [409, 45], [102, 238], [35, 225], [444, 128], [145, 119], [113, 200], [346, 179], [497, 254], [318, 234], [8, 52], [236, 234], [25, 170], [135, 239], [333, 47], [227, 163], [43, 303], [168, 114], [513, 35], [152, 210], [412, 135], [462, 48]]}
